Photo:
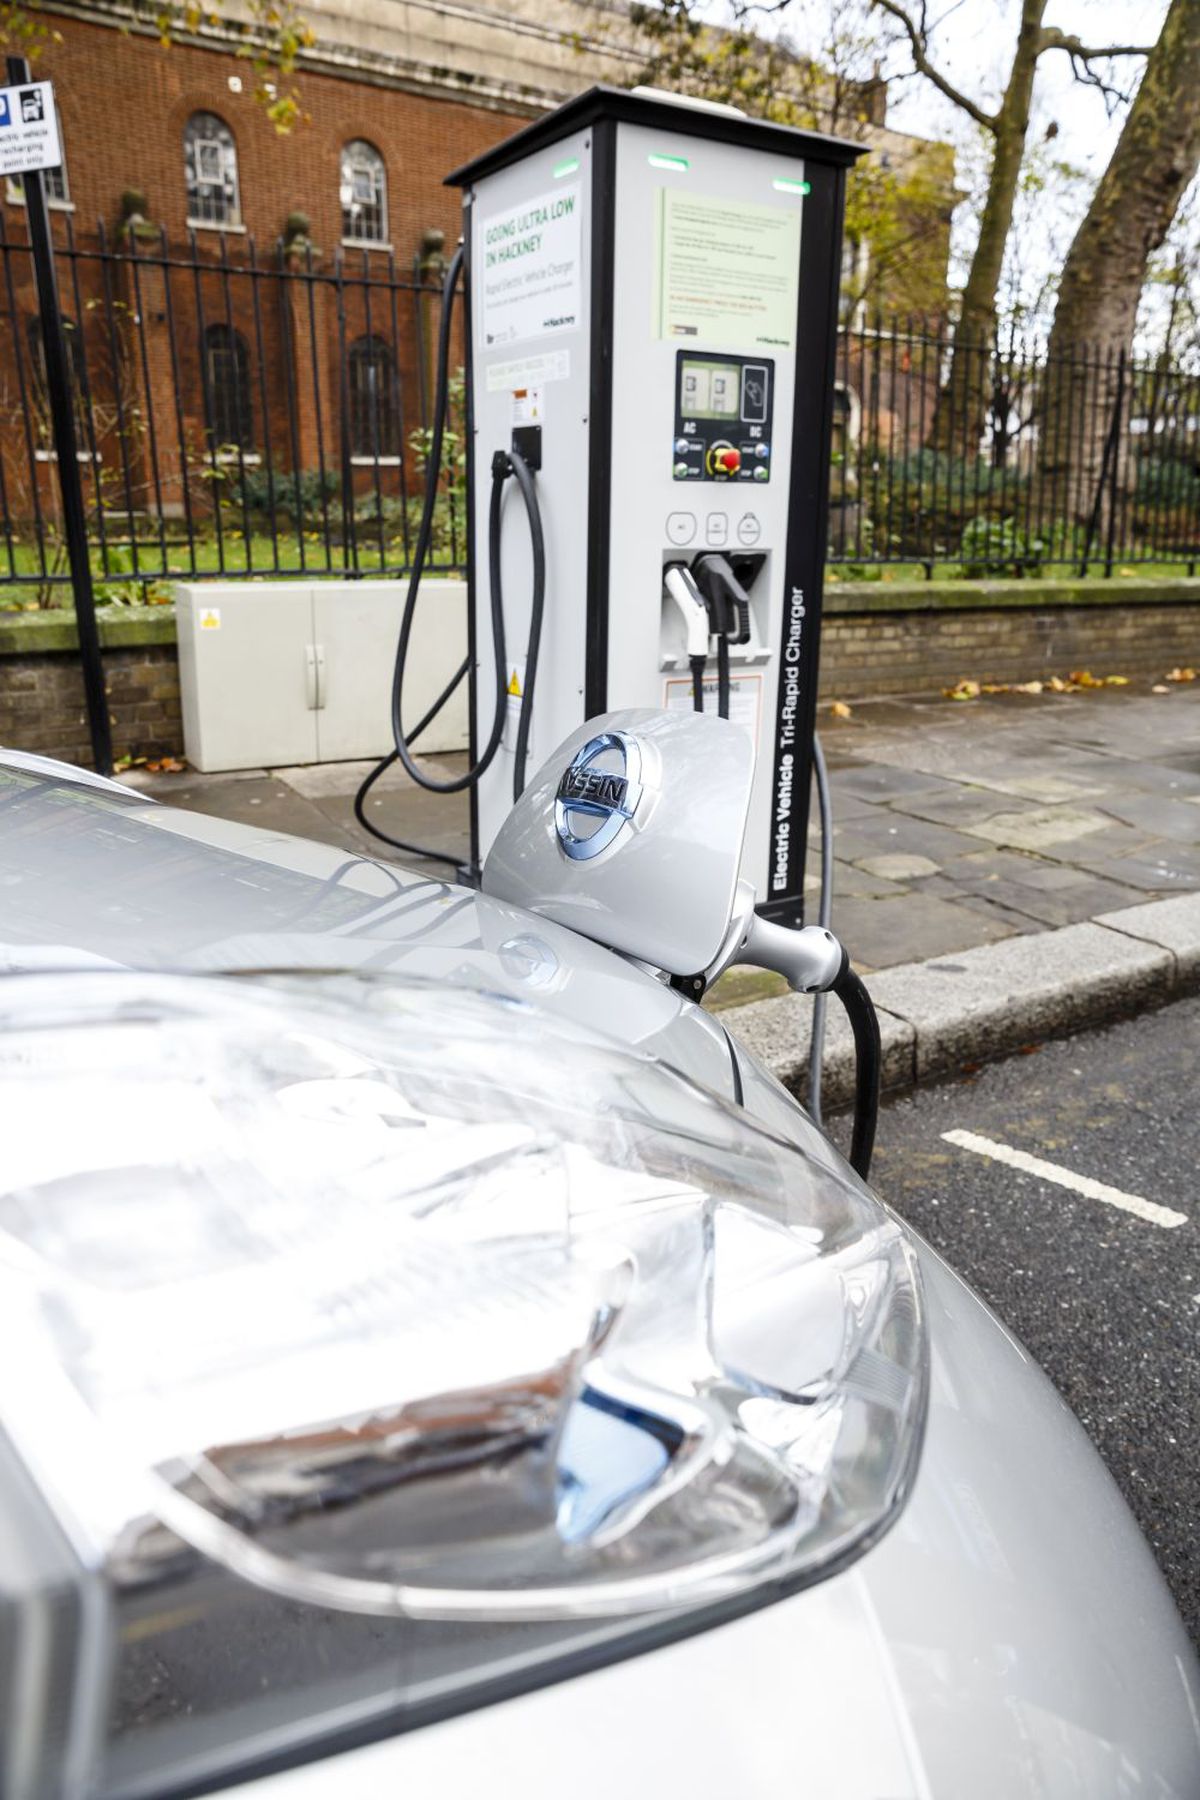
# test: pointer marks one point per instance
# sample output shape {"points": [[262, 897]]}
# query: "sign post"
{"points": [[28, 144]]}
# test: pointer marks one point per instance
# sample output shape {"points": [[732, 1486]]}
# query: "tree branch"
{"points": [[1054, 39], [919, 45], [1084, 55]]}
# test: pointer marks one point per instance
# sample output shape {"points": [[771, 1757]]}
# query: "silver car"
{"points": [[439, 1360]]}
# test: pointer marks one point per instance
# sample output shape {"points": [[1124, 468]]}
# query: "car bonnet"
{"points": [[92, 875]]}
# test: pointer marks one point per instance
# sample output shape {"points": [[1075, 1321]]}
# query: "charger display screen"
{"points": [[710, 390]]}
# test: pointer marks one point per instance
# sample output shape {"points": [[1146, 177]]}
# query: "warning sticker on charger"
{"points": [[745, 698], [516, 701], [528, 406]]}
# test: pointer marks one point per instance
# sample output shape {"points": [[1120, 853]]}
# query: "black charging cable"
{"points": [[851, 990], [723, 674], [503, 465], [537, 541], [728, 613]]}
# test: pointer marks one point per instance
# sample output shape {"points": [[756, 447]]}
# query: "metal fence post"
{"points": [[1114, 472], [60, 395]]}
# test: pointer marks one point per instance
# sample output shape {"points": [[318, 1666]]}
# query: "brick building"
{"points": [[239, 304]]}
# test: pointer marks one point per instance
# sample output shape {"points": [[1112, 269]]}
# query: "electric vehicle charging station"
{"points": [[652, 293]]}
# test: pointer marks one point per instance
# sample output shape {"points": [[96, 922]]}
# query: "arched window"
{"points": [[374, 413], [228, 401], [210, 167], [363, 194]]}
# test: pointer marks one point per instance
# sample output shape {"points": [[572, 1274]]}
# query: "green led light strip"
{"points": [[791, 187], [657, 161], [566, 168]]}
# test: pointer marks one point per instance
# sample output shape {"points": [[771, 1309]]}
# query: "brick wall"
{"points": [[898, 649], [124, 102], [145, 331], [874, 641], [42, 706]]}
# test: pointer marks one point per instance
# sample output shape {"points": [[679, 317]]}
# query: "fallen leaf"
{"points": [[840, 710], [964, 690], [1116, 681], [1084, 678], [1029, 687], [1126, 571], [1057, 685], [1158, 688], [1180, 675], [996, 687]]}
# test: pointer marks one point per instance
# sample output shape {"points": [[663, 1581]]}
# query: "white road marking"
{"points": [[1078, 1184]]}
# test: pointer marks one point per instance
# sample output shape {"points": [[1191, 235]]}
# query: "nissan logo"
{"points": [[598, 794]]}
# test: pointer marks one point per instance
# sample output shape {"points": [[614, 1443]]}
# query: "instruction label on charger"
{"points": [[529, 371], [745, 698], [531, 273], [726, 270]]}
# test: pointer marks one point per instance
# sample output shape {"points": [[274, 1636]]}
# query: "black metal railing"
{"points": [[247, 414], [236, 415], [993, 459]]}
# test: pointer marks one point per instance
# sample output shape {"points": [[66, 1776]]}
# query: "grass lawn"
{"points": [[289, 554]]}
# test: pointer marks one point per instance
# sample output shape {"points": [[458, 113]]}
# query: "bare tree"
{"points": [[962, 404], [1105, 272], [814, 64]]}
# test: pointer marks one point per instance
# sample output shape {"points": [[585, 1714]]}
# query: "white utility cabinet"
{"points": [[275, 673]]}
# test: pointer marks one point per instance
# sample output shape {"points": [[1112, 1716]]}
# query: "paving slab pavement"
{"points": [[317, 801], [974, 844]]}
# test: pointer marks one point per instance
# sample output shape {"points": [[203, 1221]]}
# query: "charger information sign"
{"points": [[727, 271], [531, 280], [28, 129]]}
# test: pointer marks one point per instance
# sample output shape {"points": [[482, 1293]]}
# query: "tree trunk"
{"points": [[1105, 271], [961, 412]]}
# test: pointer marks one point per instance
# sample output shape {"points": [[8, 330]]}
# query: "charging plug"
{"points": [[728, 601], [679, 585]]}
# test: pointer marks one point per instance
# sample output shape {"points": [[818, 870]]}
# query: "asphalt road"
{"points": [[1107, 1300]]}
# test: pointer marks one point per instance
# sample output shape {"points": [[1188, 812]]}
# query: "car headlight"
{"points": [[378, 1344]]}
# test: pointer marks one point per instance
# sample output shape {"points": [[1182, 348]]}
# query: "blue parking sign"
{"points": [[28, 129]]}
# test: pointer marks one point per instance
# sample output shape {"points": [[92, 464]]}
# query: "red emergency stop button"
{"points": [[730, 461]]}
